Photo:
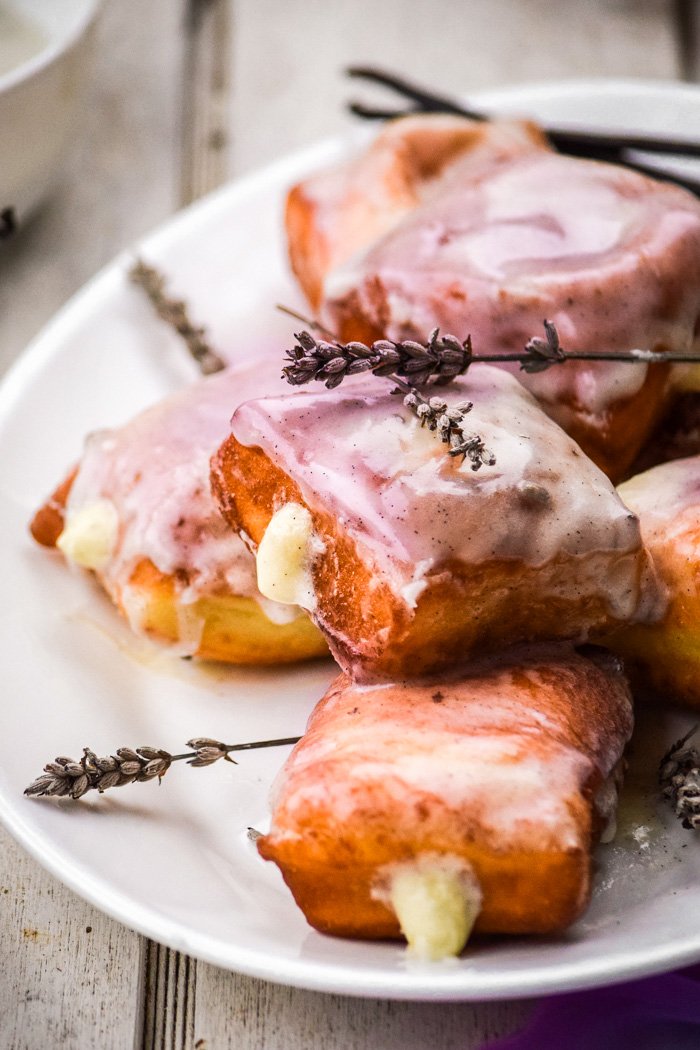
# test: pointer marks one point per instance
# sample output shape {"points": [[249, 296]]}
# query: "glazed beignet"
{"points": [[427, 807], [334, 214], [610, 256], [139, 513], [666, 653], [408, 559]]}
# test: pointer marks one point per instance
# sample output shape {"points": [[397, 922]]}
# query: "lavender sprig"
{"points": [[174, 312], [441, 359], [679, 777], [438, 361], [68, 778]]}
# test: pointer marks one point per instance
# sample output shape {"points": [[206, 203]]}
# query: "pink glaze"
{"points": [[612, 257], [359, 454], [155, 471], [510, 749]]}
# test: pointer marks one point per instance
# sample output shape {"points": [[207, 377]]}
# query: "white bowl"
{"points": [[40, 96]]}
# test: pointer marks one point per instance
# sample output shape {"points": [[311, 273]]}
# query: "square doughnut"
{"points": [[408, 559], [501, 778]]}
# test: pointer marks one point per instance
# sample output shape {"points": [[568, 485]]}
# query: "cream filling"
{"points": [[90, 535], [285, 557], [278, 613], [436, 899]]}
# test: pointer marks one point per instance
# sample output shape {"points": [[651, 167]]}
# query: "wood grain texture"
{"points": [[169, 993], [687, 19], [287, 59], [236, 1011], [205, 98], [70, 975], [121, 176]]}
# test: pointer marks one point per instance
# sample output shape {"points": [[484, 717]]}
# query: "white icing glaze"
{"points": [[518, 786], [613, 258], [362, 456], [155, 472]]}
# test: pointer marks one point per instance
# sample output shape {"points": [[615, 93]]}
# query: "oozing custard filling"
{"points": [[285, 556]]}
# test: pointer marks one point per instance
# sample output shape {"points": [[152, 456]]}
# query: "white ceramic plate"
{"points": [[174, 862]]}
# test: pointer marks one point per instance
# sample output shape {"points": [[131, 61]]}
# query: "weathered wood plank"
{"points": [[170, 986], [70, 975], [235, 1011], [287, 59], [688, 34], [205, 97]]}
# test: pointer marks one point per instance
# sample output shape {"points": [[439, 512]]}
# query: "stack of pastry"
{"points": [[483, 230], [463, 766]]}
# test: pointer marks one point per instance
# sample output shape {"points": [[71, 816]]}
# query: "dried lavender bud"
{"points": [[437, 361], [174, 312], [543, 352], [679, 778], [66, 777], [448, 421]]}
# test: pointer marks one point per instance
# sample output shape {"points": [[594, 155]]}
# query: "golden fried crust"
{"points": [[231, 629], [47, 524], [665, 656], [678, 434], [614, 446], [464, 608], [388, 774]]}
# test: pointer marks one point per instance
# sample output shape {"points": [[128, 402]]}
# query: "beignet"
{"points": [[610, 256], [407, 559], [138, 511], [666, 654], [499, 781], [332, 215]]}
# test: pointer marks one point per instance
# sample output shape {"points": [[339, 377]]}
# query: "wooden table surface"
{"points": [[184, 97]]}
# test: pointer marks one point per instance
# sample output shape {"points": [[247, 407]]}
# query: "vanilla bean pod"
{"points": [[580, 141]]}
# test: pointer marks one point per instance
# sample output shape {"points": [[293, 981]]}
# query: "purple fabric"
{"points": [[657, 1013]]}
